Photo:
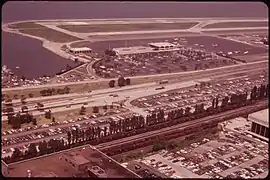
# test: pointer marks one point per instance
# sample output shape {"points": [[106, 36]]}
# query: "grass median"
{"points": [[126, 27]]}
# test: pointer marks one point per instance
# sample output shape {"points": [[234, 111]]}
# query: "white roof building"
{"points": [[80, 49], [260, 117], [132, 50], [139, 50]]}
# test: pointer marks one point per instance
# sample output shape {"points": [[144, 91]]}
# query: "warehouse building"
{"points": [[80, 50], [260, 124]]}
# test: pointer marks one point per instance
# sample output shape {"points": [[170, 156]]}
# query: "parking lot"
{"points": [[184, 59], [228, 156], [198, 52], [193, 95], [59, 129]]}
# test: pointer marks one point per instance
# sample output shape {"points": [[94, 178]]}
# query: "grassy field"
{"points": [[38, 30], [126, 27], [25, 25], [237, 32], [80, 44], [50, 34], [64, 116], [237, 24]]}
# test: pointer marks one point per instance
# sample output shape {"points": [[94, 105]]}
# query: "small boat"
{"points": [[17, 67]]}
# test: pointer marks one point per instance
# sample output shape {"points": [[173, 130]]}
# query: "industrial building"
{"points": [[260, 124], [84, 161], [79, 50]]}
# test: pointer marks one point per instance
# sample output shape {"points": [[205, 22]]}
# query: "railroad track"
{"points": [[217, 118], [246, 109]]}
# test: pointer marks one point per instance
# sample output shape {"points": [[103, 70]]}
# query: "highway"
{"points": [[102, 97], [198, 73], [118, 89]]}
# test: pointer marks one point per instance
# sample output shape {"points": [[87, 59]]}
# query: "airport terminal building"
{"points": [[80, 50], [260, 124], [151, 48]]}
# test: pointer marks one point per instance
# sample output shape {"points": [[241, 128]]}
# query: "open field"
{"points": [[50, 34], [126, 27], [222, 32], [25, 25], [141, 36], [237, 24]]}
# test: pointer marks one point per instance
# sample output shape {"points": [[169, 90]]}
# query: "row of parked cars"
{"points": [[47, 131], [211, 163], [252, 171], [182, 98]]}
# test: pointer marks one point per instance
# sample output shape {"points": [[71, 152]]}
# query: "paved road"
{"points": [[225, 69], [97, 97]]}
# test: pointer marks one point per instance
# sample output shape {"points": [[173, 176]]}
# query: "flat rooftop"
{"points": [[80, 49], [260, 117], [55, 165], [161, 44], [138, 50]]}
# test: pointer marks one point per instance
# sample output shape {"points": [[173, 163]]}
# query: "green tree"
{"points": [[48, 114], [128, 82], [82, 110], [66, 90], [16, 96], [121, 81], [158, 147], [105, 107], [34, 121], [112, 83], [32, 150], [95, 109]]}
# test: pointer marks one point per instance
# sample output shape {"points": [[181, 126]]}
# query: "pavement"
{"points": [[189, 73]]}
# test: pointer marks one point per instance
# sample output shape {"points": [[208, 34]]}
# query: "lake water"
{"points": [[35, 61]]}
